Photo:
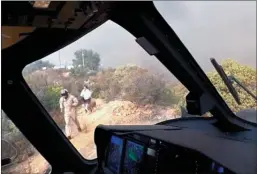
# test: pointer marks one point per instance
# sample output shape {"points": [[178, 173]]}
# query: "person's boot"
{"points": [[79, 129], [69, 137]]}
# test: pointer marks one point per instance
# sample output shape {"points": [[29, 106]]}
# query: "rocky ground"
{"points": [[114, 112]]}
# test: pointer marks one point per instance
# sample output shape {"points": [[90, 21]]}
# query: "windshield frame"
{"points": [[144, 21]]}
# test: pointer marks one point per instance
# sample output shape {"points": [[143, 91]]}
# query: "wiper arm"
{"points": [[226, 80], [233, 79]]}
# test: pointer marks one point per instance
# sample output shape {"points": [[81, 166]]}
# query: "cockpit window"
{"points": [[222, 30], [104, 79], [19, 154]]}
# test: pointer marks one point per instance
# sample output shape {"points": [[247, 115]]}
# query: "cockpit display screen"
{"points": [[133, 156], [114, 156], [217, 168]]}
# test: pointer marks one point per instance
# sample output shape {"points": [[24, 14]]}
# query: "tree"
{"points": [[246, 75], [37, 65], [85, 61]]}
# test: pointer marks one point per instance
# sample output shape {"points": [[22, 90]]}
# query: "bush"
{"points": [[46, 85], [51, 98], [124, 83], [246, 75], [79, 72], [133, 84]]}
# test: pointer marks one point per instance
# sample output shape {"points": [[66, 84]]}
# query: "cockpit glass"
{"points": [[105, 77], [226, 31], [21, 155]]}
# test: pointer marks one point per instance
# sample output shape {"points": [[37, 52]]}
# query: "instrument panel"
{"points": [[135, 154]]}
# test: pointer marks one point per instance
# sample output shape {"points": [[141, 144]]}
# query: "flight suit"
{"points": [[69, 107]]}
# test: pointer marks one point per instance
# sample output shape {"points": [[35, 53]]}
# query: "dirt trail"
{"points": [[114, 112]]}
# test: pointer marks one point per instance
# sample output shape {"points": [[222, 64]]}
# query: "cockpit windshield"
{"points": [[225, 31], [105, 77]]}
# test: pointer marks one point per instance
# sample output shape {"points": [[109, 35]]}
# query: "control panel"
{"points": [[135, 153]]}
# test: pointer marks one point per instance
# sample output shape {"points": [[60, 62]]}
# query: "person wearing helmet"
{"points": [[86, 96], [68, 105]]}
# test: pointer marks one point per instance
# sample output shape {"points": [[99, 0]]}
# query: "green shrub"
{"points": [[51, 98], [246, 75], [79, 72], [168, 97], [131, 83]]}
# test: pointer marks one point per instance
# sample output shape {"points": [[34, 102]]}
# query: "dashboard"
{"points": [[138, 154], [136, 149]]}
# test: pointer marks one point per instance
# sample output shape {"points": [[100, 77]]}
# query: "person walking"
{"points": [[68, 105]]}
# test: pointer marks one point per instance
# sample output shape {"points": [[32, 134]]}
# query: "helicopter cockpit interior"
{"points": [[224, 143]]}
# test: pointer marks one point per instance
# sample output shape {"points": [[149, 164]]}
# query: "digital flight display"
{"points": [[217, 168], [133, 157], [114, 156]]}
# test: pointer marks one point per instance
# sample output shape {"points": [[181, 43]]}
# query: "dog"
{"points": [[91, 105]]}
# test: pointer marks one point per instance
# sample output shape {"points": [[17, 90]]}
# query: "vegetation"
{"points": [[37, 65], [12, 135], [7, 124], [85, 63], [245, 74], [133, 84], [130, 83], [51, 98], [124, 83]]}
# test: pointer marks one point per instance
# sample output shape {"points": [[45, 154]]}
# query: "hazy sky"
{"points": [[208, 29]]}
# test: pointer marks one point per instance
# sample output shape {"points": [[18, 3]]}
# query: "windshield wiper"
{"points": [[233, 79], [228, 80], [225, 79]]}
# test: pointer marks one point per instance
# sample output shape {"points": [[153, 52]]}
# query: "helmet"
{"points": [[64, 92]]}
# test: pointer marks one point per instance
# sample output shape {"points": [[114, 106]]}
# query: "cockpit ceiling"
{"points": [[21, 18], [12, 35]]}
